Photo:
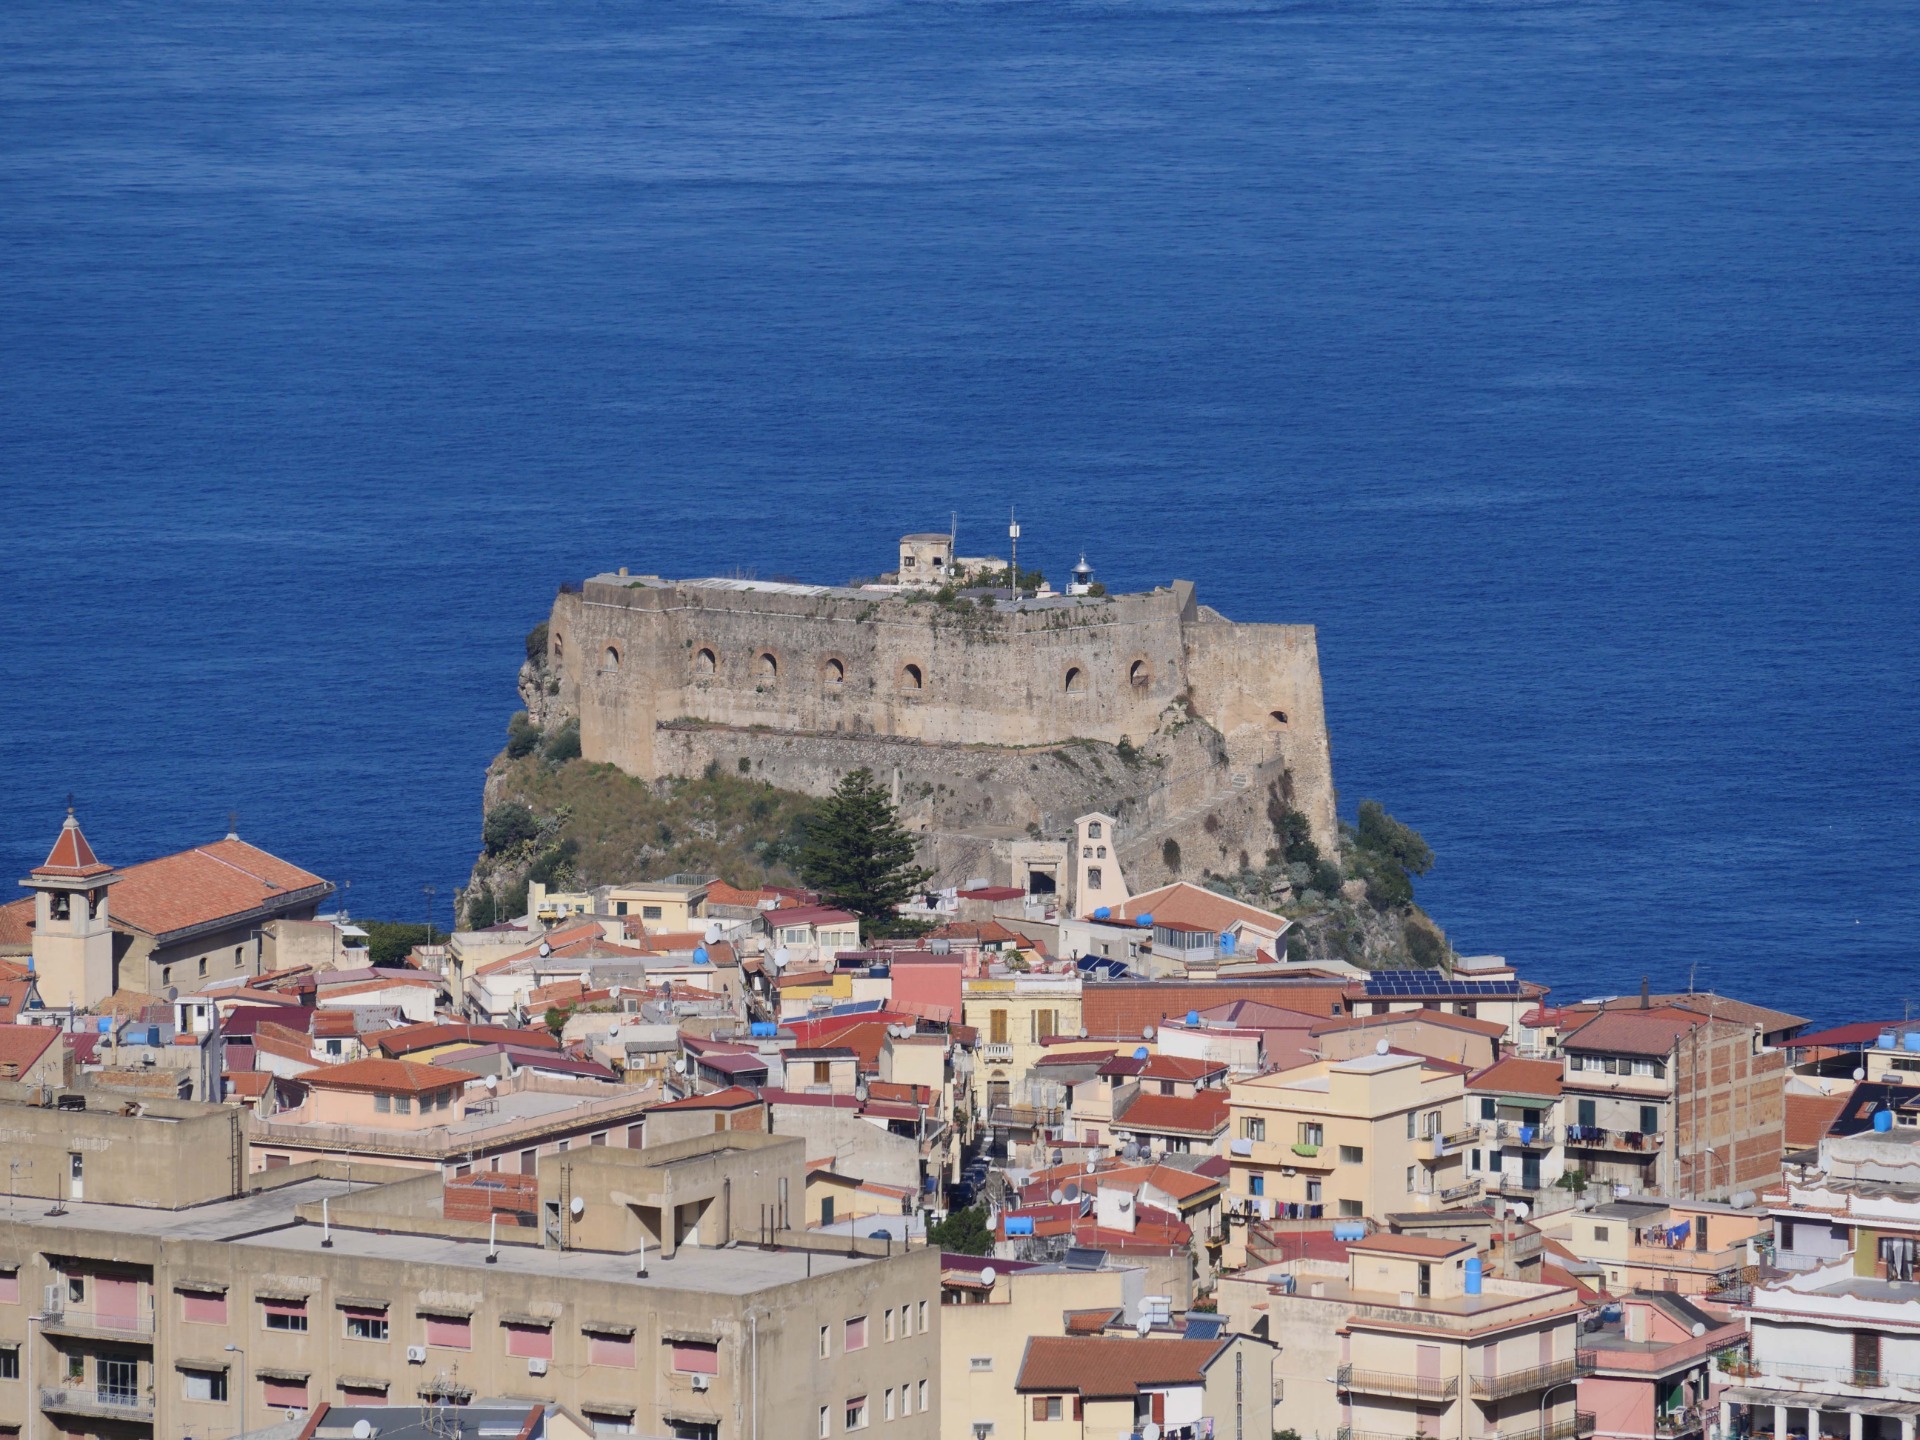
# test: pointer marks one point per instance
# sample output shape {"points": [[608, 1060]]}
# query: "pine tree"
{"points": [[856, 854]]}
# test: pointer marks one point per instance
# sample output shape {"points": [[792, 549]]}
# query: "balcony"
{"points": [[1598, 1137], [87, 1324], [1520, 1382], [1577, 1426], [1460, 1192], [996, 1053], [1397, 1383], [1822, 1377], [1528, 1137], [1676, 1423], [135, 1406]]}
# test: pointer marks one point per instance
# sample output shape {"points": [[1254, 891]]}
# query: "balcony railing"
{"points": [[1679, 1422], [1519, 1382], [1515, 1132], [74, 1320], [1576, 1426], [1460, 1192], [996, 1052], [1598, 1137], [113, 1403], [1396, 1382], [1816, 1376]]}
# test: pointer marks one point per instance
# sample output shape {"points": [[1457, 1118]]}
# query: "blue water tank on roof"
{"points": [[1349, 1231], [1019, 1225], [1140, 1052], [1226, 944], [1144, 920], [1910, 1040], [1104, 912], [153, 1034], [1473, 1275], [1193, 1017], [699, 954], [1887, 1040], [104, 1025], [1883, 1120], [763, 1030]]}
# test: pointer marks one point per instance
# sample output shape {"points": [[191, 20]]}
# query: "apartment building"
{"points": [[1081, 1386], [1399, 1335], [1015, 1014], [1521, 1148], [1682, 1247], [1835, 1344], [1648, 1372], [989, 1308], [650, 1295], [1673, 1101], [1369, 1136]]}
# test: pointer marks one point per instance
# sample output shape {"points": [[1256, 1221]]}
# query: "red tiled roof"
{"points": [[1809, 1117], [393, 1077], [1178, 1067], [21, 1046], [734, 1097], [1633, 1032], [16, 923], [1471, 1024], [206, 884], [807, 915], [1514, 1076], [71, 857], [1860, 1032], [411, 1039], [993, 892], [1425, 1247], [1120, 1009], [1184, 903], [1108, 1368], [983, 932], [1203, 1113]]}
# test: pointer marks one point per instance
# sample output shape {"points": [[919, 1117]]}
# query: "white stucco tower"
{"points": [[1096, 865]]}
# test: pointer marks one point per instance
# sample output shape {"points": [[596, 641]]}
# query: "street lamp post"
{"points": [[236, 1350], [1558, 1384]]}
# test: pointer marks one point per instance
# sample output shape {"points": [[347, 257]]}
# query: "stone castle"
{"points": [[996, 717]]}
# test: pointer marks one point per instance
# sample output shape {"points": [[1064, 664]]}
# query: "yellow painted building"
{"points": [[1015, 1015], [1372, 1136]]}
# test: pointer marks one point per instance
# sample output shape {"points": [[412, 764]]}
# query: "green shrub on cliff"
{"points": [[564, 743], [537, 644], [522, 735], [508, 827]]}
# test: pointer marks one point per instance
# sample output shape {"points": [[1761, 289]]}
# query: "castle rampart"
{"points": [[653, 667]]}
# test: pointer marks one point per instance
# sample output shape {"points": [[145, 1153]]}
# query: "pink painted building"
{"points": [[1649, 1373]]}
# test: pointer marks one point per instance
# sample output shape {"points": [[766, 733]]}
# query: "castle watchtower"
{"points": [[926, 559], [72, 941]]}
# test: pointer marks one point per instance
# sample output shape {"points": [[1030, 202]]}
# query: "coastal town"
{"points": [[1058, 1149]]}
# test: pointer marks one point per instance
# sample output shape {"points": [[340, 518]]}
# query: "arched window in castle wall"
{"points": [[1076, 680], [767, 668], [911, 678], [1279, 717], [1138, 675], [705, 662], [612, 658], [559, 645], [834, 671]]}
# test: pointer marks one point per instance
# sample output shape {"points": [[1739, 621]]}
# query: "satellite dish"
{"points": [[1859, 1075], [1146, 1032], [1092, 1165], [545, 949], [713, 932], [988, 1274], [781, 957], [1126, 1202], [684, 1064], [1058, 1197], [1380, 1047], [1698, 1329], [1143, 1325], [1150, 1432], [1083, 1032], [362, 1430], [493, 1082], [1072, 1192], [578, 1207]]}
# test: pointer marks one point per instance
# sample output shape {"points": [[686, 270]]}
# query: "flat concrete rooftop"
{"points": [[267, 1220]]}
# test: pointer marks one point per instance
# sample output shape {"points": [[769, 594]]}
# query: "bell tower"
{"points": [[72, 940]]}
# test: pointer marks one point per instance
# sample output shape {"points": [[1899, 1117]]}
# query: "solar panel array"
{"points": [[1389, 983]]}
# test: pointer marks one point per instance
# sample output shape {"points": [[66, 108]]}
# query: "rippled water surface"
{"points": [[1557, 359]]}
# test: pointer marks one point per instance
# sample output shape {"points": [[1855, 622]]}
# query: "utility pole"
{"points": [[1013, 566], [429, 891]]}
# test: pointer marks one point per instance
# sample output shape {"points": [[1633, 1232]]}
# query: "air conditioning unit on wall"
{"points": [[416, 1354], [701, 1382], [536, 1366]]}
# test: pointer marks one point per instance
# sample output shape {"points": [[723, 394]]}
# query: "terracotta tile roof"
{"points": [[992, 892], [1204, 1113], [1119, 1009], [247, 1084], [1090, 1322], [1184, 903], [1111, 1367], [411, 1039], [1859, 1032], [16, 923], [1256, 1015], [1424, 1247], [14, 995], [246, 1020], [207, 884], [734, 1097], [71, 857], [1179, 1067], [1809, 1117], [981, 932], [806, 915], [1470, 1024], [719, 892], [1514, 1076], [21, 1046], [393, 1077], [1304, 1245], [1633, 1032]]}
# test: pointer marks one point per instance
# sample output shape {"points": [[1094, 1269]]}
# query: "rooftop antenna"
{"points": [[1013, 534]]}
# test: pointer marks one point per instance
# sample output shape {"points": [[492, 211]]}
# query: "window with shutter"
{"points": [[529, 1342], [449, 1332], [613, 1350], [696, 1357]]}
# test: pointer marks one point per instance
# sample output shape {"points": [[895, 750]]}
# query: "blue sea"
{"points": [[1559, 359]]}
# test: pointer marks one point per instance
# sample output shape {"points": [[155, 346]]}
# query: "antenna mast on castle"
{"points": [[1013, 565]]}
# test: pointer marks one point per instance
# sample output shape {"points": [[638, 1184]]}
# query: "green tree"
{"points": [[964, 1232], [389, 941], [508, 826], [857, 855], [564, 743], [1387, 855], [537, 644]]}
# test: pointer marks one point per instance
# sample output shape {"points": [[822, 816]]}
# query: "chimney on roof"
{"points": [[233, 825], [1643, 992]]}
